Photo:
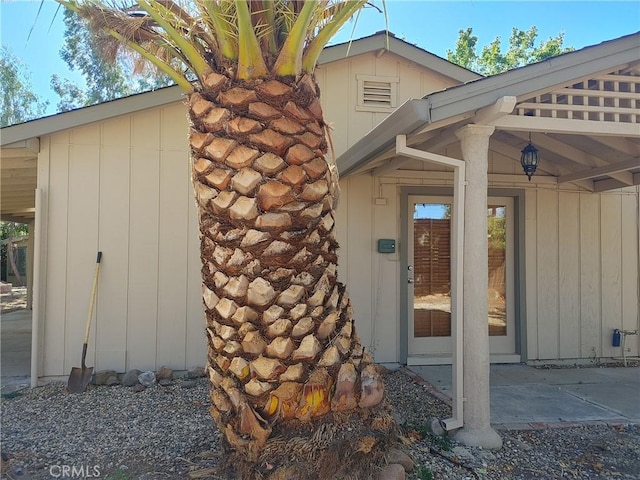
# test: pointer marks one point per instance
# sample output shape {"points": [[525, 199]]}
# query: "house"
{"points": [[413, 135]]}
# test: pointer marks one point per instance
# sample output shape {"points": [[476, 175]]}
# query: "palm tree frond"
{"points": [[251, 63], [337, 15], [222, 25], [248, 38], [176, 76], [289, 60], [171, 24]]}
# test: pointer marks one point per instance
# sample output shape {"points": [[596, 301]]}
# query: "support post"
{"points": [[30, 247], [477, 431], [37, 235]]}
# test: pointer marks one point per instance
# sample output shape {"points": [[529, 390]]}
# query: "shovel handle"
{"points": [[84, 356], [91, 304]]}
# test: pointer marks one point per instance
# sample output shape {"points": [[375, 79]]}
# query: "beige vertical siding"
{"points": [[122, 186], [55, 305], [590, 279], [547, 278], [568, 275], [339, 89], [386, 277], [114, 195], [584, 280], [630, 300], [580, 264]]}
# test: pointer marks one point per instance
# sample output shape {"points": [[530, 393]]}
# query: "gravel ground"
{"points": [[166, 433]]}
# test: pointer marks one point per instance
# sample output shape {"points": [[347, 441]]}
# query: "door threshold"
{"points": [[418, 360]]}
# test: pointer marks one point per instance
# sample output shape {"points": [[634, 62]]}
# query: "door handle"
{"points": [[410, 280]]}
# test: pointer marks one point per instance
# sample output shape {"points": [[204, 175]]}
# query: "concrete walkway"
{"points": [[527, 397], [15, 350]]}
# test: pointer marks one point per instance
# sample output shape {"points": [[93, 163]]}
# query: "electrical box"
{"points": [[386, 245]]}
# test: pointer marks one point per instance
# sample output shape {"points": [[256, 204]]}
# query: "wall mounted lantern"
{"points": [[529, 159]]}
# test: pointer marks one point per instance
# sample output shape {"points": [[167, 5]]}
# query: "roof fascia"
{"points": [[532, 78], [413, 53], [94, 113], [409, 116], [450, 104]]}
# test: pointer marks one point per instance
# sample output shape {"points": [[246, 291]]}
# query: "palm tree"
{"points": [[293, 391]]}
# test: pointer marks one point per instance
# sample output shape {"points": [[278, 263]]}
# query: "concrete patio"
{"points": [[15, 350], [528, 397]]}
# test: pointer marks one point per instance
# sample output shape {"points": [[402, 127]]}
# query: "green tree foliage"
{"points": [[19, 102], [9, 230], [105, 80], [497, 232], [492, 60]]}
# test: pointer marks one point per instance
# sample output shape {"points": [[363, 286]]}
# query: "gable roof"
{"points": [[93, 113], [387, 41], [451, 104], [163, 96]]}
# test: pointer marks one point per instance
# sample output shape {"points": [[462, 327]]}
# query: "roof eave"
{"points": [[410, 116], [94, 113], [413, 53], [451, 103], [531, 78]]}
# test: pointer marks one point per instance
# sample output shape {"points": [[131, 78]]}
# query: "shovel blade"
{"points": [[79, 379]]}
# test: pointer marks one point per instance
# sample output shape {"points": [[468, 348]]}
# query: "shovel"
{"points": [[80, 377]]}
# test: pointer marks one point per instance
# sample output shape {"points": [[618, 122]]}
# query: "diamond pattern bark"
{"points": [[282, 344]]}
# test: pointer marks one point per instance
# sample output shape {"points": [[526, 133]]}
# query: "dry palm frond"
{"points": [[189, 39]]}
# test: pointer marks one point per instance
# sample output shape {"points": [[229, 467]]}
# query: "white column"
{"points": [[477, 431], [30, 247]]}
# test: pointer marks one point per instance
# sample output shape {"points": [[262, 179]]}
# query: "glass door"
{"points": [[429, 290]]}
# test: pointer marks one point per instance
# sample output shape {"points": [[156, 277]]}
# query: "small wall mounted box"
{"points": [[386, 245]]}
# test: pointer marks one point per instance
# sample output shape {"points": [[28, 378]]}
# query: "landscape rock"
{"points": [[130, 378], [195, 372], [147, 378], [165, 373], [398, 456], [463, 454], [112, 381], [189, 384], [393, 471], [486, 456], [165, 382], [138, 387], [101, 377], [436, 427]]}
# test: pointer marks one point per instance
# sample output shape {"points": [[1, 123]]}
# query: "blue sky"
{"points": [[432, 25]]}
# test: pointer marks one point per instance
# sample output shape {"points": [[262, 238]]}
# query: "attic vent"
{"points": [[376, 94]]}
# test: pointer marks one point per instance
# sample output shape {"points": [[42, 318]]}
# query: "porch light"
{"points": [[529, 159]]}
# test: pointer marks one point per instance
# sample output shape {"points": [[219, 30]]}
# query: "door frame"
{"points": [[519, 290]]}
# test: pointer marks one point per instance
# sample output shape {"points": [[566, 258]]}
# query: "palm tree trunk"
{"points": [[282, 347]]}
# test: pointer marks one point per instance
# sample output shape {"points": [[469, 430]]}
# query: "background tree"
{"points": [[105, 78], [19, 102], [522, 51], [294, 393], [8, 252]]}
